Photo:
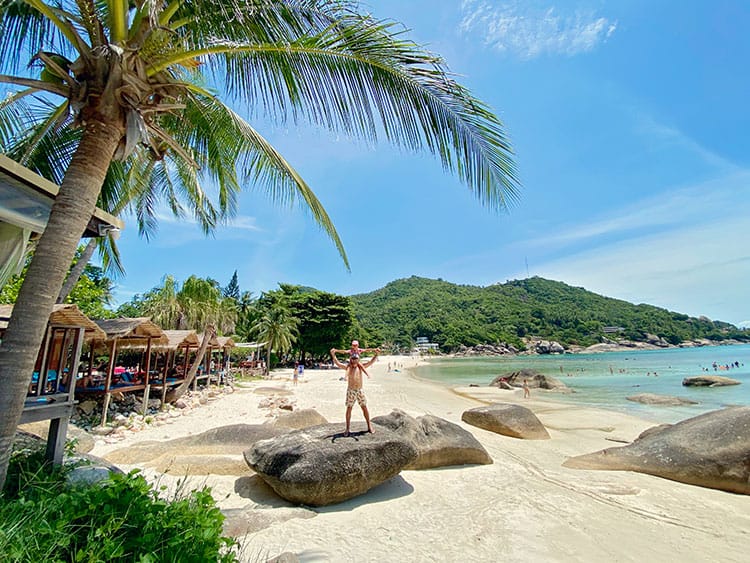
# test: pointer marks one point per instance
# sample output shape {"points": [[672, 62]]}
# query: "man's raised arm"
{"points": [[371, 361], [336, 361]]}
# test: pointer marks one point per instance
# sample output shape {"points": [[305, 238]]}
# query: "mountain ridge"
{"points": [[455, 315]]}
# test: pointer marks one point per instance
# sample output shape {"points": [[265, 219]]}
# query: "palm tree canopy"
{"points": [[277, 327], [145, 66]]}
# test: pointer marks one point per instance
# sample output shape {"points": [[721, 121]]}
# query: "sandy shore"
{"points": [[524, 507]]}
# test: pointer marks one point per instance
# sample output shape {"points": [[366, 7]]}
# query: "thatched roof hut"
{"points": [[133, 332], [63, 315], [180, 339]]}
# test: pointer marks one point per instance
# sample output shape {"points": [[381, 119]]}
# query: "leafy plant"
{"points": [[42, 518]]}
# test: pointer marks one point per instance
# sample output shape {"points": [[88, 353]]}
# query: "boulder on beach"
{"points": [[84, 442], [709, 381], [438, 442], [507, 419], [514, 379], [319, 466], [711, 450], [224, 440], [654, 399], [296, 420]]}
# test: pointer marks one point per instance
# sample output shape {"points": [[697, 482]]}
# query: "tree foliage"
{"points": [[195, 304], [454, 315], [325, 319], [92, 293]]}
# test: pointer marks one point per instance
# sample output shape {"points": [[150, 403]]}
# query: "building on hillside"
{"points": [[423, 344]]}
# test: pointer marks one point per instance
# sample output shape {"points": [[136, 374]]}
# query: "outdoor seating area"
{"points": [[51, 392], [81, 358]]}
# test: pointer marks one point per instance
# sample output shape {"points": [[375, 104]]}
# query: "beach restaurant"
{"points": [[25, 203]]}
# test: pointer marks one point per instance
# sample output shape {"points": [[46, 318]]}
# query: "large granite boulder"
{"points": [[438, 442], [711, 450], [654, 399], [709, 381], [533, 378], [507, 419], [319, 466], [224, 440], [296, 420]]}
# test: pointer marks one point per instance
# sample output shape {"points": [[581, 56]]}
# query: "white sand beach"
{"points": [[523, 507]]}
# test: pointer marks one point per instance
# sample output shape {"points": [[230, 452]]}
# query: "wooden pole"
{"points": [[108, 382], [148, 371]]}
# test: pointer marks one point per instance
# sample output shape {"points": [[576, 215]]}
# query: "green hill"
{"points": [[454, 315]]}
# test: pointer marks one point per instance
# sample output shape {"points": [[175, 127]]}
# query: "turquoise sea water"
{"points": [[605, 380]]}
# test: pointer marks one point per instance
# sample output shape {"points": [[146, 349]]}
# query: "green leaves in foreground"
{"points": [[123, 519]]}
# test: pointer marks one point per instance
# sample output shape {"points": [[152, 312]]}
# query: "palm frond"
{"points": [[359, 76], [24, 29]]}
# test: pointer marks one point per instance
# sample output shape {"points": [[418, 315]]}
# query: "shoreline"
{"points": [[523, 507]]}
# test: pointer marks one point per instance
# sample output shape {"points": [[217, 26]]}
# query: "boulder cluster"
{"points": [[501, 349], [534, 379]]}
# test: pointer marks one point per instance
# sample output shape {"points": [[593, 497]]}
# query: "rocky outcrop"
{"points": [[319, 466], [656, 340], [709, 381], [438, 442], [654, 399], [507, 419], [533, 378], [545, 347], [501, 349], [711, 450]]}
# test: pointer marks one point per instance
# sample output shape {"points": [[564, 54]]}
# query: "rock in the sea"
{"points": [[709, 381], [319, 466], [507, 419], [438, 442], [711, 450], [534, 379], [654, 399]]}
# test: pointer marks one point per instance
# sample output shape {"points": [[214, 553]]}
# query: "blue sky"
{"points": [[630, 125]]}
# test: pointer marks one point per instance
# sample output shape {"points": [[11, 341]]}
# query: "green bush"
{"points": [[122, 519]]}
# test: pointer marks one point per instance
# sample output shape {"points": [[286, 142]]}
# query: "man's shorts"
{"points": [[357, 395]]}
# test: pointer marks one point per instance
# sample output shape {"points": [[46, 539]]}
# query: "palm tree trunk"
{"points": [[71, 212], [76, 271], [179, 391]]}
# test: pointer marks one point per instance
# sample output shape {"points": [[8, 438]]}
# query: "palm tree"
{"points": [[127, 84], [277, 328], [198, 304]]}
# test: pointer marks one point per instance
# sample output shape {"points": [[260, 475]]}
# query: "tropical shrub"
{"points": [[42, 518]]}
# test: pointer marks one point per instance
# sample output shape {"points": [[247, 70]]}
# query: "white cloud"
{"points": [[699, 270], [527, 31], [710, 201]]}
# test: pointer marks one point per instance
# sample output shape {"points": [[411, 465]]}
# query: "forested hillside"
{"points": [[453, 315]]}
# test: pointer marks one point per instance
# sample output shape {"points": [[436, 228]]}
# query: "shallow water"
{"points": [[605, 380]]}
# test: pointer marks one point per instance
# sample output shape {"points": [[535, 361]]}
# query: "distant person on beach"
{"points": [[295, 373], [354, 386], [526, 392]]}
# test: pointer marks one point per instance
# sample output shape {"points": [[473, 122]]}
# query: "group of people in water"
{"points": [[723, 367]]}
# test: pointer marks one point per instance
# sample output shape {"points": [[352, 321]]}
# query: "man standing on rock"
{"points": [[354, 390]]}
